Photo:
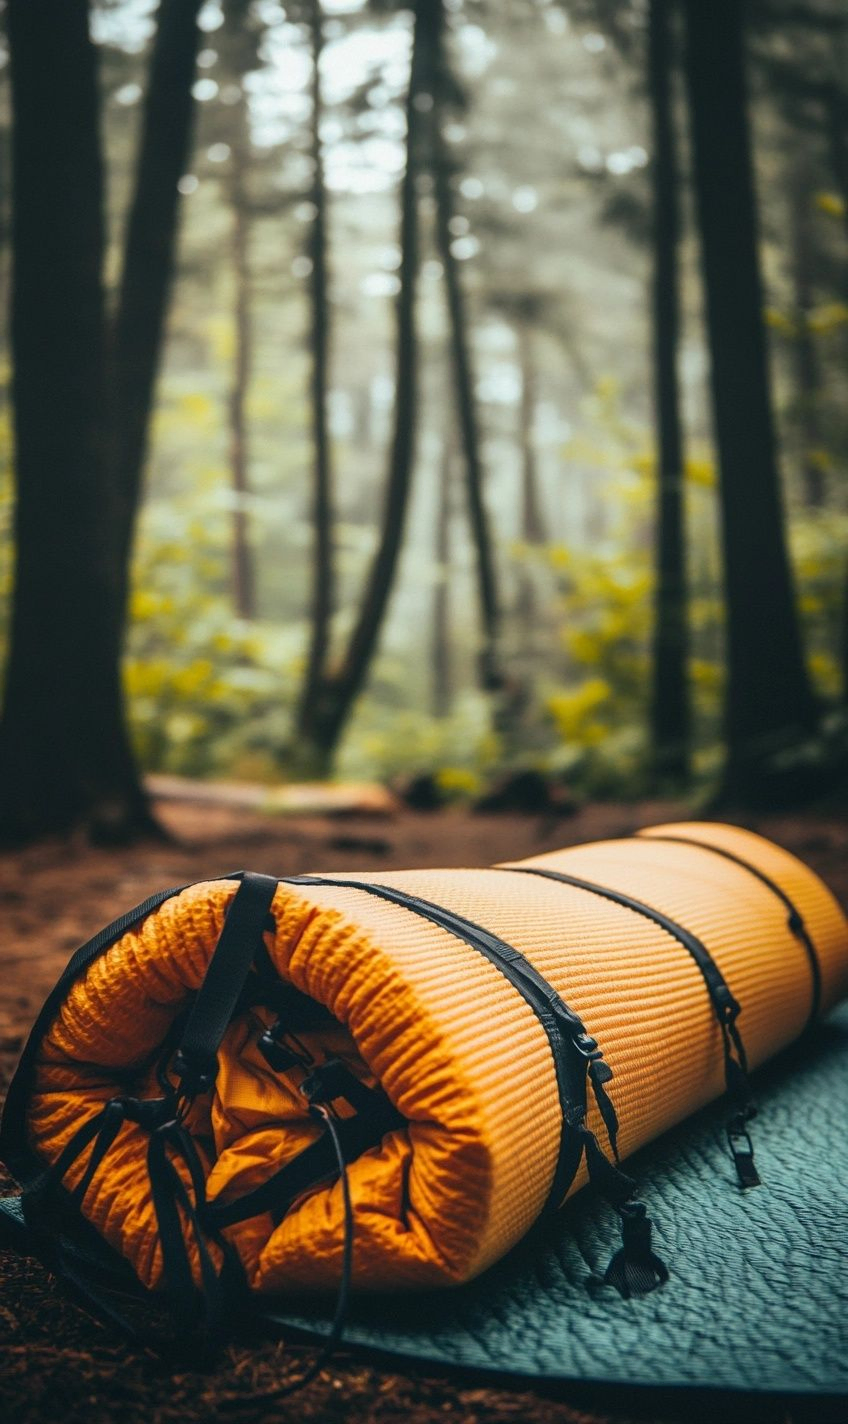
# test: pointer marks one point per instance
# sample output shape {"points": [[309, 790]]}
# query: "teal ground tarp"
{"points": [[758, 1296]]}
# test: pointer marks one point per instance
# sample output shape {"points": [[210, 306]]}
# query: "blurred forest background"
{"points": [[452, 387]]}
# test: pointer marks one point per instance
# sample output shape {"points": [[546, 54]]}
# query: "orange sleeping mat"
{"points": [[430, 1060]]}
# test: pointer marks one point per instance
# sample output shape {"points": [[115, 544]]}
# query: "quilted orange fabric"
{"points": [[457, 1049]]}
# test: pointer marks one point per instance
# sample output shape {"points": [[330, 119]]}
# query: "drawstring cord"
{"points": [[634, 1269], [739, 1092], [163, 1119], [323, 1113]]}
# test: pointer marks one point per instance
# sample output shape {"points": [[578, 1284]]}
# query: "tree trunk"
{"points": [[670, 710], [244, 599], [531, 523], [807, 383], [65, 760], [441, 594], [339, 689], [769, 701], [836, 130], [323, 571], [149, 256], [842, 647], [490, 676]]}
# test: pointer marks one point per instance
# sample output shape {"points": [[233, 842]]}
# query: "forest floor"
{"points": [[55, 1363]]}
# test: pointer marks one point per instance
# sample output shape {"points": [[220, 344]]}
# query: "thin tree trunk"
{"points": [[842, 648], [339, 690], [244, 599], [670, 709], [769, 701], [441, 659], [531, 524], [804, 350], [149, 256], [836, 130], [461, 356], [65, 760], [322, 507]]}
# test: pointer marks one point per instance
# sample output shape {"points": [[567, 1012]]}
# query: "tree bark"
{"points": [[340, 688], [531, 523], [323, 570], [842, 647], [441, 594], [807, 382], [769, 702], [149, 256], [836, 130], [65, 760], [244, 596], [670, 709], [490, 675]]}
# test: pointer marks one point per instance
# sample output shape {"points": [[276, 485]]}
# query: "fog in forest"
{"points": [[437, 344]]}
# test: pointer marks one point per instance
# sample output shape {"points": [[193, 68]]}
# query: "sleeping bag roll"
{"points": [[487, 1039]]}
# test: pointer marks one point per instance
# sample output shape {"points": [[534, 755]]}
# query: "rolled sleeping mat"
{"points": [[482, 1041]]}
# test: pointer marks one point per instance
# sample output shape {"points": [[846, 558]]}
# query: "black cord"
{"points": [[340, 1314]]}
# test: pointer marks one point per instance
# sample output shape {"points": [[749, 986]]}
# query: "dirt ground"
{"points": [[55, 1362]]}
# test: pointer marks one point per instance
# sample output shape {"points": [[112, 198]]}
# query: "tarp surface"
{"points": [[758, 1297]]}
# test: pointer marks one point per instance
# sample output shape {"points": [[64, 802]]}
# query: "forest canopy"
{"points": [[460, 388]]}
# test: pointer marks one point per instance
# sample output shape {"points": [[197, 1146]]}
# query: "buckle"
{"points": [[329, 1080], [728, 1007], [153, 1114], [586, 1044], [276, 1054], [742, 1148], [194, 1077]]}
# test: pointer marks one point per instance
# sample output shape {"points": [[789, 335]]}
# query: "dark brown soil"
{"points": [[55, 1362]]}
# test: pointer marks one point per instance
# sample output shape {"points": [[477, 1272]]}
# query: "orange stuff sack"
{"points": [[474, 1044]]}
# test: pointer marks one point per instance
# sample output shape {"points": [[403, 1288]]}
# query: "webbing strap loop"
{"points": [[562, 1026], [726, 1007], [577, 1056], [195, 1062], [195, 1065], [794, 919]]}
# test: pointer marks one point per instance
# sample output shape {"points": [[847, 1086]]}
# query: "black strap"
{"points": [[574, 1050], [196, 1059], [576, 1055], [725, 1007], [332, 1136], [794, 918], [296, 1008], [315, 1164], [195, 1065], [15, 1151]]}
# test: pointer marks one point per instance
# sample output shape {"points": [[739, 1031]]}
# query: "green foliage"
{"points": [[600, 716], [461, 748], [208, 695], [818, 540]]}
